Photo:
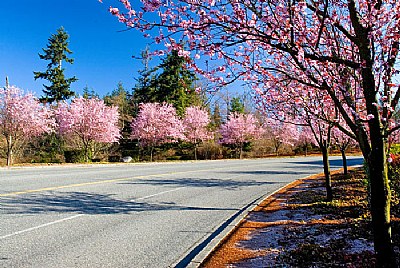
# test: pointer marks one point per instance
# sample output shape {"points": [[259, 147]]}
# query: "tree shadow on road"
{"points": [[227, 184], [85, 203], [334, 163], [268, 172]]}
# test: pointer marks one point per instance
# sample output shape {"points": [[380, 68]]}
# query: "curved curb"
{"points": [[199, 253], [201, 250]]}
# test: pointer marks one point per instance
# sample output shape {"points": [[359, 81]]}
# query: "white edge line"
{"points": [[164, 192], [41, 226]]}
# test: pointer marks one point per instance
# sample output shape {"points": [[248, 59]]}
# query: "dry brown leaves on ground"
{"points": [[297, 228]]}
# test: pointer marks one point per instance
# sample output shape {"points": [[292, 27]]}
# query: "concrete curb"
{"points": [[201, 250]]}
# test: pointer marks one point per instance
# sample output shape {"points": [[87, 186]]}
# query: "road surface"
{"points": [[132, 215]]}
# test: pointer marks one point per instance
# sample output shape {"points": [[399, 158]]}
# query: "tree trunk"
{"points": [[380, 202], [195, 151], [344, 160], [277, 146], [327, 173], [86, 152], [241, 151], [376, 156], [151, 153], [9, 151]]}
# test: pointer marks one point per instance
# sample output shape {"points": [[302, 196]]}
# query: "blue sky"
{"points": [[101, 50]]}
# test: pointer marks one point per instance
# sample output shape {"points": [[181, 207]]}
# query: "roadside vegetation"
{"points": [[168, 115], [297, 227]]}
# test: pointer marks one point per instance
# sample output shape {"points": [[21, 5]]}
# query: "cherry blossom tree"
{"points": [[282, 133], [347, 49], [156, 124], [322, 132], [314, 112], [305, 139], [342, 141], [195, 122], [22, 117], [239, 129], [90, 121]]}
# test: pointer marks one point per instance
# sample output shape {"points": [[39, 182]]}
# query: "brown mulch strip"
{"points": [[295, 227]]}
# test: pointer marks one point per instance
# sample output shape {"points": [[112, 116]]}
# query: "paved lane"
{"points": [[138, 215]]}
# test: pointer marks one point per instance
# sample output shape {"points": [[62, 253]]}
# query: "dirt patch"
{"points": [[295, 227]]}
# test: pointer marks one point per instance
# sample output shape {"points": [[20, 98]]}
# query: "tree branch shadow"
{"points": [[85, 203], [228, 184]]}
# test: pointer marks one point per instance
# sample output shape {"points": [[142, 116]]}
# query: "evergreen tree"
{"points": [[119, 97], [175, 83], [56, 52], [169, 82], [236, 106], [216, 118], [89, 93], [144, 91]]}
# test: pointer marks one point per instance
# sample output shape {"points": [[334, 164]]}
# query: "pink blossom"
{"points": [[22, 117], [195, 122], [88, 120], [114, 10], [156, 124], [240, 128]]}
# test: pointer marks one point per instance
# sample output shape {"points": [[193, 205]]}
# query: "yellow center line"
{"points": [[82, 184], [100, 182]]}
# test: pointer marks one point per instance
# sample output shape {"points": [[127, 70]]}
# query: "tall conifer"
{"points": [[56, 52]]}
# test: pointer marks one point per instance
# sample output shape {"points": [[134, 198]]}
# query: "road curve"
{"points": [[132, 215]]}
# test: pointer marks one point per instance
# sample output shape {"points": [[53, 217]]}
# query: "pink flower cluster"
{"points": [[156, 124], [240, 128], [22, 116], [89, 120]]}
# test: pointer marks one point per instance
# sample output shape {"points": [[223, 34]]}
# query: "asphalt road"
{"points": [[132, 215]]}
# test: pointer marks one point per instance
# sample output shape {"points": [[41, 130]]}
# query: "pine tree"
{"points": [[175, 83], [144, 91], [169, 82], [89, 93], [216, 118], [120, 98], [56, 52], [236, 105]]}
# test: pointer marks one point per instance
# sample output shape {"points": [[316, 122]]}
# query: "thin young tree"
{"points": [[305, 139], [239, 129], [56, 52], [145, 88], [322, 133], [281, 133], [343, 142], [196, 122]]}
